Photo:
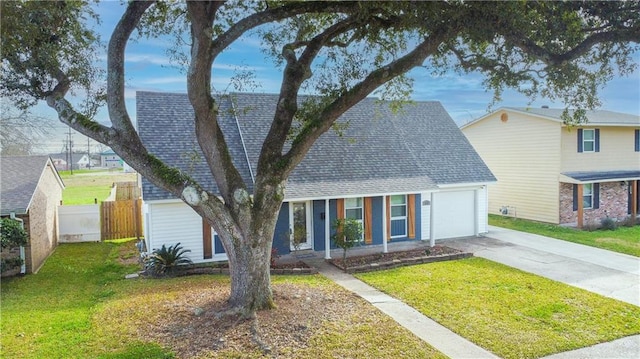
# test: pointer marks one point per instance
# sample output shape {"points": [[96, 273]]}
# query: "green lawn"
{"points": [[80, 306], [84, 186], [509, 312], [623, 239]]}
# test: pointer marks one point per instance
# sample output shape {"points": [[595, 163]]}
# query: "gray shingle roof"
{"points": [[75, 157], [379, 152], [588, 176], [595, 117], [19, 177]]}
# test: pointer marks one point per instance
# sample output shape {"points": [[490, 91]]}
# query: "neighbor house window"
{"points": [[636, 140], [353, 209], [588, 140], [398, 216], [587, 195], [590, 196]]}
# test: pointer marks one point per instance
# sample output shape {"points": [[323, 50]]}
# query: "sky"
{"points": [[148, 69]]}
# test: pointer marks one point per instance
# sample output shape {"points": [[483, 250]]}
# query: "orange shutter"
{"points": [[340, 208], [388, 218], [411, 216], [368, 220], [206, 240]]}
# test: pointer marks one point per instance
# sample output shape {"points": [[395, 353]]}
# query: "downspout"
{"points": [[23, 267]]}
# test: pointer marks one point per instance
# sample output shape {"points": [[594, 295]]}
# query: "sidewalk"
{"points": [[439, 337]]}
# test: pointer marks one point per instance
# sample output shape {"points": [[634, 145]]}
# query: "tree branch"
{"points": [[210, 137], [533, 49], [310, 133], [271, 14], [295, 73], [115, 65]]}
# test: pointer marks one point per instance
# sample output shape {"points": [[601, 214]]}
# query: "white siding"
{"points": [[616, 151], [170, 223], [425, 216], [482, 207], [523, 152]]}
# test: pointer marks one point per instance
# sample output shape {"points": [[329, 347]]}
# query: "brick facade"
{"points": [[42, 223], [613, 203]]}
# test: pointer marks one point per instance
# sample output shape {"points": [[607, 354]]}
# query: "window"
{"points": [[587, 196], [590, 196], [588, 140], [636, 140], [398, 216], [353, 209]]}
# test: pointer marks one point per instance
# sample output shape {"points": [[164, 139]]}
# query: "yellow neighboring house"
{"points": [[554, 173]]}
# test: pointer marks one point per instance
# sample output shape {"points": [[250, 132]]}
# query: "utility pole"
{"points": [[88, 153], [70, 152]]}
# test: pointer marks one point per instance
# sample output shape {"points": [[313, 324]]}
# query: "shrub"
{"points": [[590, 226], [165, 261], [274, 257], [348, 234], [630, 221], [11, 235], [10, 263], [608, 223]]}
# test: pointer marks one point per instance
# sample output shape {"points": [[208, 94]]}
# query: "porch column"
{"points": [[327, 230], [580, 206], [635, 187], [384, 225], [432, 238]]}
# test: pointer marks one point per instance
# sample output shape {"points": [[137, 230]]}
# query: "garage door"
{"points": [[453, 214]]}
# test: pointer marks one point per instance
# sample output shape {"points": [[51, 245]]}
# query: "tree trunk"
{"points": [[247, 235], [250, 275]]}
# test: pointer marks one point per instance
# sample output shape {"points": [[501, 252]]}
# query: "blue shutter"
{"points": [[579, 140], [596, 195], [637, 140], [597, 131], [575, 197]]}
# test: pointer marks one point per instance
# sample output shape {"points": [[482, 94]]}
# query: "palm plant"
{"points": [[165, 261]]}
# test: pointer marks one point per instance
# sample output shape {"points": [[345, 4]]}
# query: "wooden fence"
{"points": [[127, 190], [121, 219]]}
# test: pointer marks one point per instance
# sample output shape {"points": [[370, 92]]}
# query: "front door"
{"points": [[300, 225]]}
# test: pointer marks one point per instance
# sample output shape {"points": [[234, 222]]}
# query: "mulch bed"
{"points": [[379, 261], [355, 264], [298, 267]]}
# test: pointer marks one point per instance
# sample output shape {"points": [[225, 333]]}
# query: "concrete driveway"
{"points": [[610, 274]]}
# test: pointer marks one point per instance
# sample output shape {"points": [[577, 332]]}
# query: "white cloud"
{"points": [[152, 59], [164, 80]]}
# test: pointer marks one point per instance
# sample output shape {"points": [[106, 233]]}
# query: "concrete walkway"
{"points": [[600, 271], [439, 337]]}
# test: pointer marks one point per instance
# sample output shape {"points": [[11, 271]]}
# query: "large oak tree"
{"points": [[340, 51]]}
